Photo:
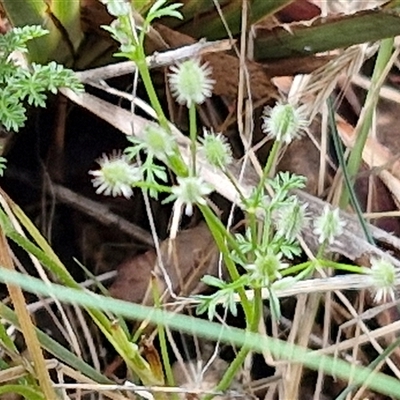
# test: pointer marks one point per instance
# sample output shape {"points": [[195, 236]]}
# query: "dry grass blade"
{"points": [[27, 326], [318, 86]]}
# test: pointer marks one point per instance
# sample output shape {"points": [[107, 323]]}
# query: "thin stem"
{"points": [[273, 154], [221, 237], [234, 367], [348, 184], [151, 92], [163, 343], [271, 159], [193, 136], [232, 179]]}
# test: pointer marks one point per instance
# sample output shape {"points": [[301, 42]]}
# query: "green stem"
{"points": [[150, 90], [271, 159], [296, 268], [156, 186], [236, 364], [324, 263], [222, 237], [339, 266], [232, 179], [176, 162], [353, 164], [273, 154], [193, 136]]}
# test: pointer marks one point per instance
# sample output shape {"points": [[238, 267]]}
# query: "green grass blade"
{"points": [[210, 25], [355, 158], [27, 392], [58, 351], [347, 179], [67, 14], [327, 34], [279, 349]]}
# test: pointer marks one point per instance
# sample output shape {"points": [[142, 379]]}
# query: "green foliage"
{"points": [[124, 29], [20, 86], [17, 38]]}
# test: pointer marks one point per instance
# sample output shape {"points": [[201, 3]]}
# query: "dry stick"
{"points": [[293, 379], [156, 60], [291, 370], [19, 371], [386, 92], [325, 342], [107, 390], [102, 214], [364, 338]]}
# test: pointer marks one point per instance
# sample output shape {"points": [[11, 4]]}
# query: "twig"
{"points": [[156, 60], [102, 214]]}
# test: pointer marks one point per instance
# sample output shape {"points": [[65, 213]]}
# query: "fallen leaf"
{"points": [[299, 10], [186, 259]]}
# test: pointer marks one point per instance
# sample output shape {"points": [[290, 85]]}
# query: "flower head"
{"points": [[284, 122], [216, 150], [328, 225], [265, 269], [190, 82], [383, 277], [191, 190], [155, 141], [115, 176], [290, 219]]}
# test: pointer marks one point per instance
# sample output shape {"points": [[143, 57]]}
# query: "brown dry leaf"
{"points": [[299, 10], [225, 69], [93, 15], [186, 259]]}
